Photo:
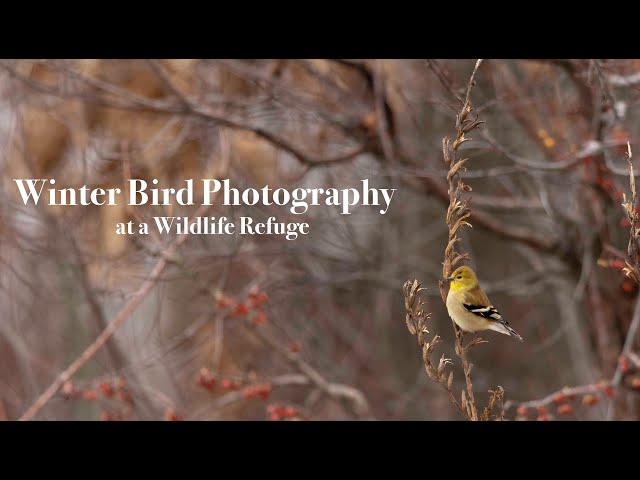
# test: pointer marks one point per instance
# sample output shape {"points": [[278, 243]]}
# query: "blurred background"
{"points": [[242, 327]]}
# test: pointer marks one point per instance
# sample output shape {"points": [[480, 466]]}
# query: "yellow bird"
{"points": [[470, 307]]}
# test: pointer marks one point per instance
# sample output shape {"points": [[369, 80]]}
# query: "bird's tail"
{"points": [[503, 327]]}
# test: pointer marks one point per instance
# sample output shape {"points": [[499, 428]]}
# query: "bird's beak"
{"points": [[450, 277]]}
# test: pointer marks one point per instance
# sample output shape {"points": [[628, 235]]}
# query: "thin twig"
{"points": [[349, 396], [116, 322]]}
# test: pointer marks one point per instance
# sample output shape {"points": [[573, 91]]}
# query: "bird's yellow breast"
{"points": [[457, 286]]}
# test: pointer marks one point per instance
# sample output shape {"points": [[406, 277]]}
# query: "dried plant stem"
{"points": [[416, 319], [439, 371], [632, 268], [457, 217], [630, 205], [458, 213]]}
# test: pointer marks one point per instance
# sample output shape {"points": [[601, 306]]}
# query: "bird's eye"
{"points": [[459, 277]]}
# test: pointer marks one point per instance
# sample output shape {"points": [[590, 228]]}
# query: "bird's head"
{"points": [[463, 278]]}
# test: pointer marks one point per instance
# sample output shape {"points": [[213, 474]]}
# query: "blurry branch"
{"points": [[444, 79], [608, 96], [480, 218], [588, 150], [124, 99], [350, 397], [114, 324], [487, 222], [590, 394], [228, 399], [627, 360], [624, 80], [586, 96], [162, 74], [562, 397], [117, 356], [384, 125]]}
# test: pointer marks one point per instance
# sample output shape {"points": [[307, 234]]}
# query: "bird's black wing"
{"points": [[489, 312]]}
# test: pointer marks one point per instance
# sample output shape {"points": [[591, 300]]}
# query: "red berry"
{"points": [[627, 286], [248, 392], [262, 298], [565, 409], [106, 389], [223, 301], [294, 347], [625, 364], [90, 395], [625, 223], [590, 399], [259, 318], [522, 411], [605, 388], [125, 397], [617, 264], [206, 379], [635, 383], [290, 412], [264, 391], [229, 384], [105, 416], [258, 390], [281, 412], [257, 298], [171, 415], [274, 412], [240, 310]]}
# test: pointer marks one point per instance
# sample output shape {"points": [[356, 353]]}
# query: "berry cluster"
{"points": [[627, 367], [277, 411], [589, 395], [171, 415], [115, 399], [258, 390], [253, 305], [564, 402], [627, 285], [208, 381]]}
